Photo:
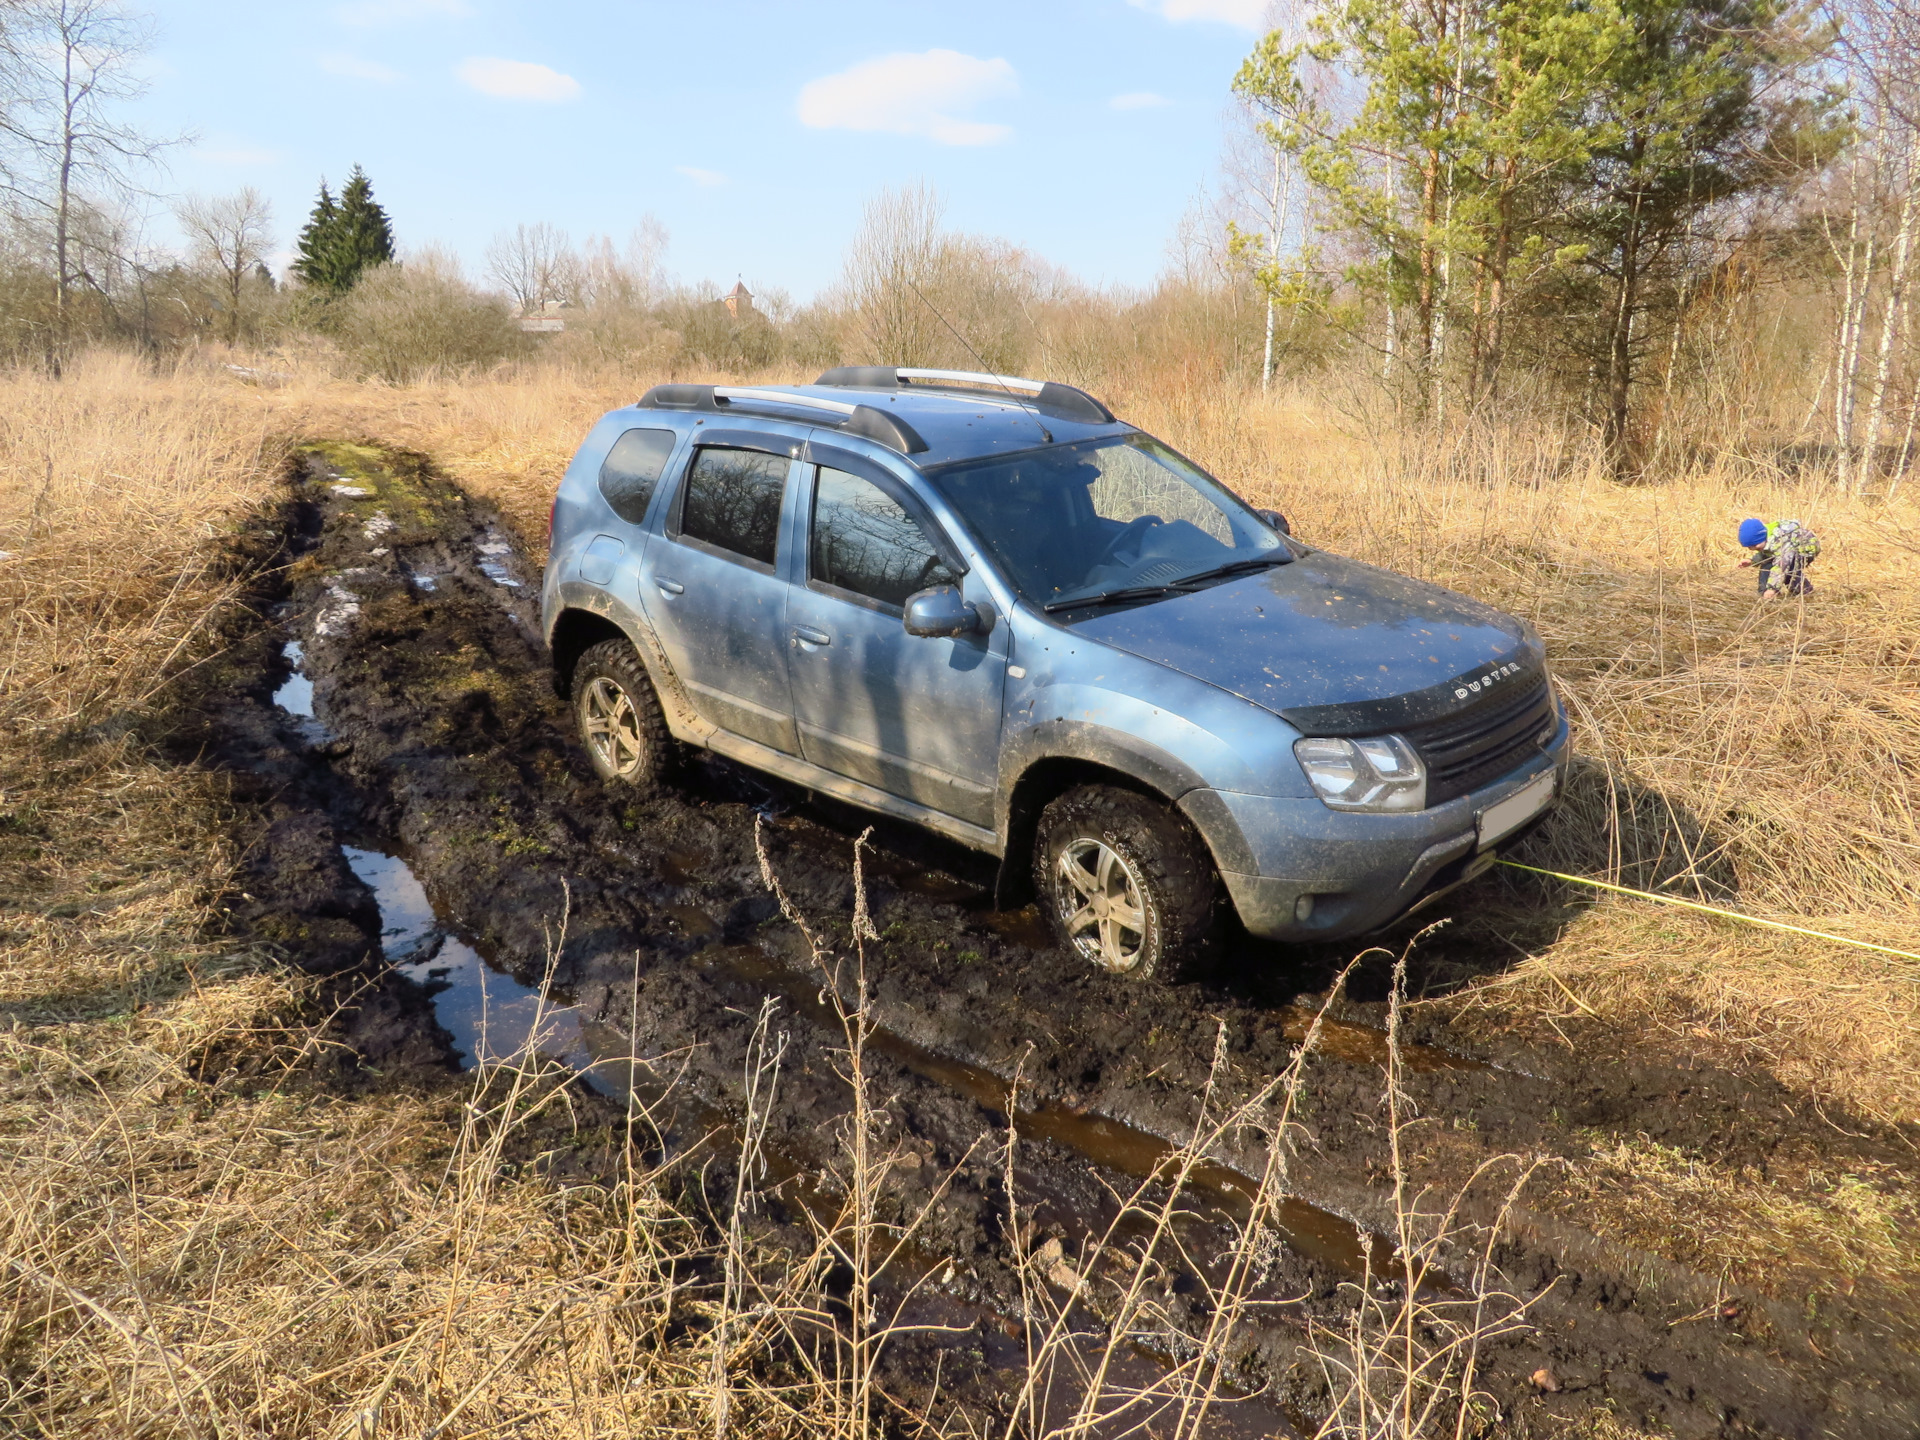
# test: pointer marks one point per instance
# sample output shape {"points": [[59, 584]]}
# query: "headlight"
{"points": [[1377, 774]]}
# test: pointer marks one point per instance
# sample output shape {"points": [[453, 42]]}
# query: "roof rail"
{"points": [[1065, 400], [863, 420]]}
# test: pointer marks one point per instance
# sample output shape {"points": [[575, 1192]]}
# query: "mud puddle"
{"points": [[1306, 1229], [1342, 1040], [445, 712], [491, 1016]]}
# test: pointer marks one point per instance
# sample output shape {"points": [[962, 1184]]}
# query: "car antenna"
{"points": [[1014, 395]]}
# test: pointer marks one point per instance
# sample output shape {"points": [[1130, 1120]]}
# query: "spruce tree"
{"points": [[311, 261], [344, 238], [366, 235]]}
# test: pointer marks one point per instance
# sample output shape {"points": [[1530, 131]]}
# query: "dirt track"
{"points": [[443, 740]]}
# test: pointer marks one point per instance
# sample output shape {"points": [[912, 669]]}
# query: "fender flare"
{"points": [[1064, 745], [683, 721]]}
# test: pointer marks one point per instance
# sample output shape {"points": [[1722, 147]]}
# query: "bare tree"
{"points": [[630, 279], [67, 64], [890, 265], [534, 264], [229, 234]]}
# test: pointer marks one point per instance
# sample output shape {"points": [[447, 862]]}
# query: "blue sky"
{"points": [[1081, 129]]}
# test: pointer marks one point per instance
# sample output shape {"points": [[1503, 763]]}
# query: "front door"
{"points": [[918, 718], [713, 593]]}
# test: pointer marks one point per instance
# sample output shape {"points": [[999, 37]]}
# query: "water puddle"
{"points": [[1364, 1045], [295, 695], [1307, 1229], [491, 1016]]}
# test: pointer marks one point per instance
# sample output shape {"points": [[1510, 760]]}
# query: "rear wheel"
{"points": [[619, 717], [1127, 884]]}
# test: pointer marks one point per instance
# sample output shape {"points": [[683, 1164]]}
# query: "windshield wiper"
{"points": [[1118, 597], [1240, 567], [1171, 587]]}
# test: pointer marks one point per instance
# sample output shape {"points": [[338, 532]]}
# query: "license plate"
{"points": [[1501, 820]]}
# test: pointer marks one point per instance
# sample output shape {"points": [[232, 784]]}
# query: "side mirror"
{"points": [[1276, 520], [940, 611]]}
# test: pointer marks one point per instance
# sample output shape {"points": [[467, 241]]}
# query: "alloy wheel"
{"points": [[1101, 906], [612, 727]]}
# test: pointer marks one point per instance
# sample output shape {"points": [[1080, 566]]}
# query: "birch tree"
{"points": [[230, 235], [68, 65]]}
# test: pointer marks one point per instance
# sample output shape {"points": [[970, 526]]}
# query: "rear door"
{"points": [[712, 588], [918, 718]]}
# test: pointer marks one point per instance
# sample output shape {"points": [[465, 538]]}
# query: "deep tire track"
{"points": [[444, 712]]}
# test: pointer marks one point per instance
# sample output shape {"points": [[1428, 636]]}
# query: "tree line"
{"points": [[1677, 227]]}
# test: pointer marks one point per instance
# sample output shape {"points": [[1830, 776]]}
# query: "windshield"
{"points": [[1125, 513]]}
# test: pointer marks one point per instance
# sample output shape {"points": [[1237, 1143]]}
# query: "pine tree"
{"points": [[366, 235], [312, 262], [343, 238]]}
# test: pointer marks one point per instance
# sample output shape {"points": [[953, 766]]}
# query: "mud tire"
{"points": [[1155, 856], [619, 719]]}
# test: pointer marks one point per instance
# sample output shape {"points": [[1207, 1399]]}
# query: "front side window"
{"points": [[865, 541], [1126, 518], [632, 469], [733, 501]]}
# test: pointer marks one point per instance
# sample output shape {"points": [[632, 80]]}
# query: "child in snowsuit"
{"points": [[1781, 552]]}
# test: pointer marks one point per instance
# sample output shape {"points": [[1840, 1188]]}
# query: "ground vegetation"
{"points": [[1617, 1168]]}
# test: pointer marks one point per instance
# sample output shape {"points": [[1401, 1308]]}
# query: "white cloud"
{"points": [[922, 94], [400, 12], [705, 179], [352, 67], [1139, 100], [517, 80], [1246, 14]]}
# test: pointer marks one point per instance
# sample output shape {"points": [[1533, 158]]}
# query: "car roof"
{"points": [[930, 426], [967, 426]]}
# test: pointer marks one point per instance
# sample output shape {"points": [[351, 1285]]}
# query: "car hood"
{"points": [[1326, 640]]}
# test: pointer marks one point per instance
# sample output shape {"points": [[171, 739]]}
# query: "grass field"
{"points": [[1760, 758]]}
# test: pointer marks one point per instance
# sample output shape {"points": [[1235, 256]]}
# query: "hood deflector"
{"points": [[1495, 685]]}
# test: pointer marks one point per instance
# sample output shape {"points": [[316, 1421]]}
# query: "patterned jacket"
{"points": [[1789, 546]]}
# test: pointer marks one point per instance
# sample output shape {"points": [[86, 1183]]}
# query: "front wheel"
{"points": [[1127, 883], [619, 717]]}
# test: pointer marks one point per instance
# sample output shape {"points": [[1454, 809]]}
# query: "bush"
{"points": [[401, 321]]}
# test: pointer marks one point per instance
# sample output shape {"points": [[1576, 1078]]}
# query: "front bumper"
{"points": [[1363, 871]]}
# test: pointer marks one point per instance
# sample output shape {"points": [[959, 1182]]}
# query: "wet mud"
{"points": [[411, 782]]}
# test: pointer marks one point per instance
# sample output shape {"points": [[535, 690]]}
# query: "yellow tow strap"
{"points": [[1713, 910]]}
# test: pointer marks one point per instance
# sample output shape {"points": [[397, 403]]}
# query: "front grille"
{"points": [[1465, 751]]}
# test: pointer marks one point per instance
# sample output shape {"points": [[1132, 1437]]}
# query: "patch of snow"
{"points": [[493, 552], [379, 525], [339, 610], [352, 492]]}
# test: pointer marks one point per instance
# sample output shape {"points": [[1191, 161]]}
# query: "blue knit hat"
{"points": [[1753, 532]]}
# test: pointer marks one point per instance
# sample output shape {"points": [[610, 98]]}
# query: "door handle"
{"points": [[807, 635], [669, 587]]}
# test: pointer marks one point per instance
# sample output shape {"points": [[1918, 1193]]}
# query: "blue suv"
{"points": [[985, 605]]}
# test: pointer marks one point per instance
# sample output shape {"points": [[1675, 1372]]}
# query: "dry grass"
{"points": [[1800, 1240], [197, 1246], [1755, 756]]}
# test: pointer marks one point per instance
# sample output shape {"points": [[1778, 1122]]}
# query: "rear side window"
{"points": [[733, 501], [866, 542], [631, 471]]}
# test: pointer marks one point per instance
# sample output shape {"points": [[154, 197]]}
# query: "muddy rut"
{"points": [[433, 735]]}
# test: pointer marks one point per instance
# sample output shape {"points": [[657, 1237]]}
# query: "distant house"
{"points": [[545, 322], [739, 301]]}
